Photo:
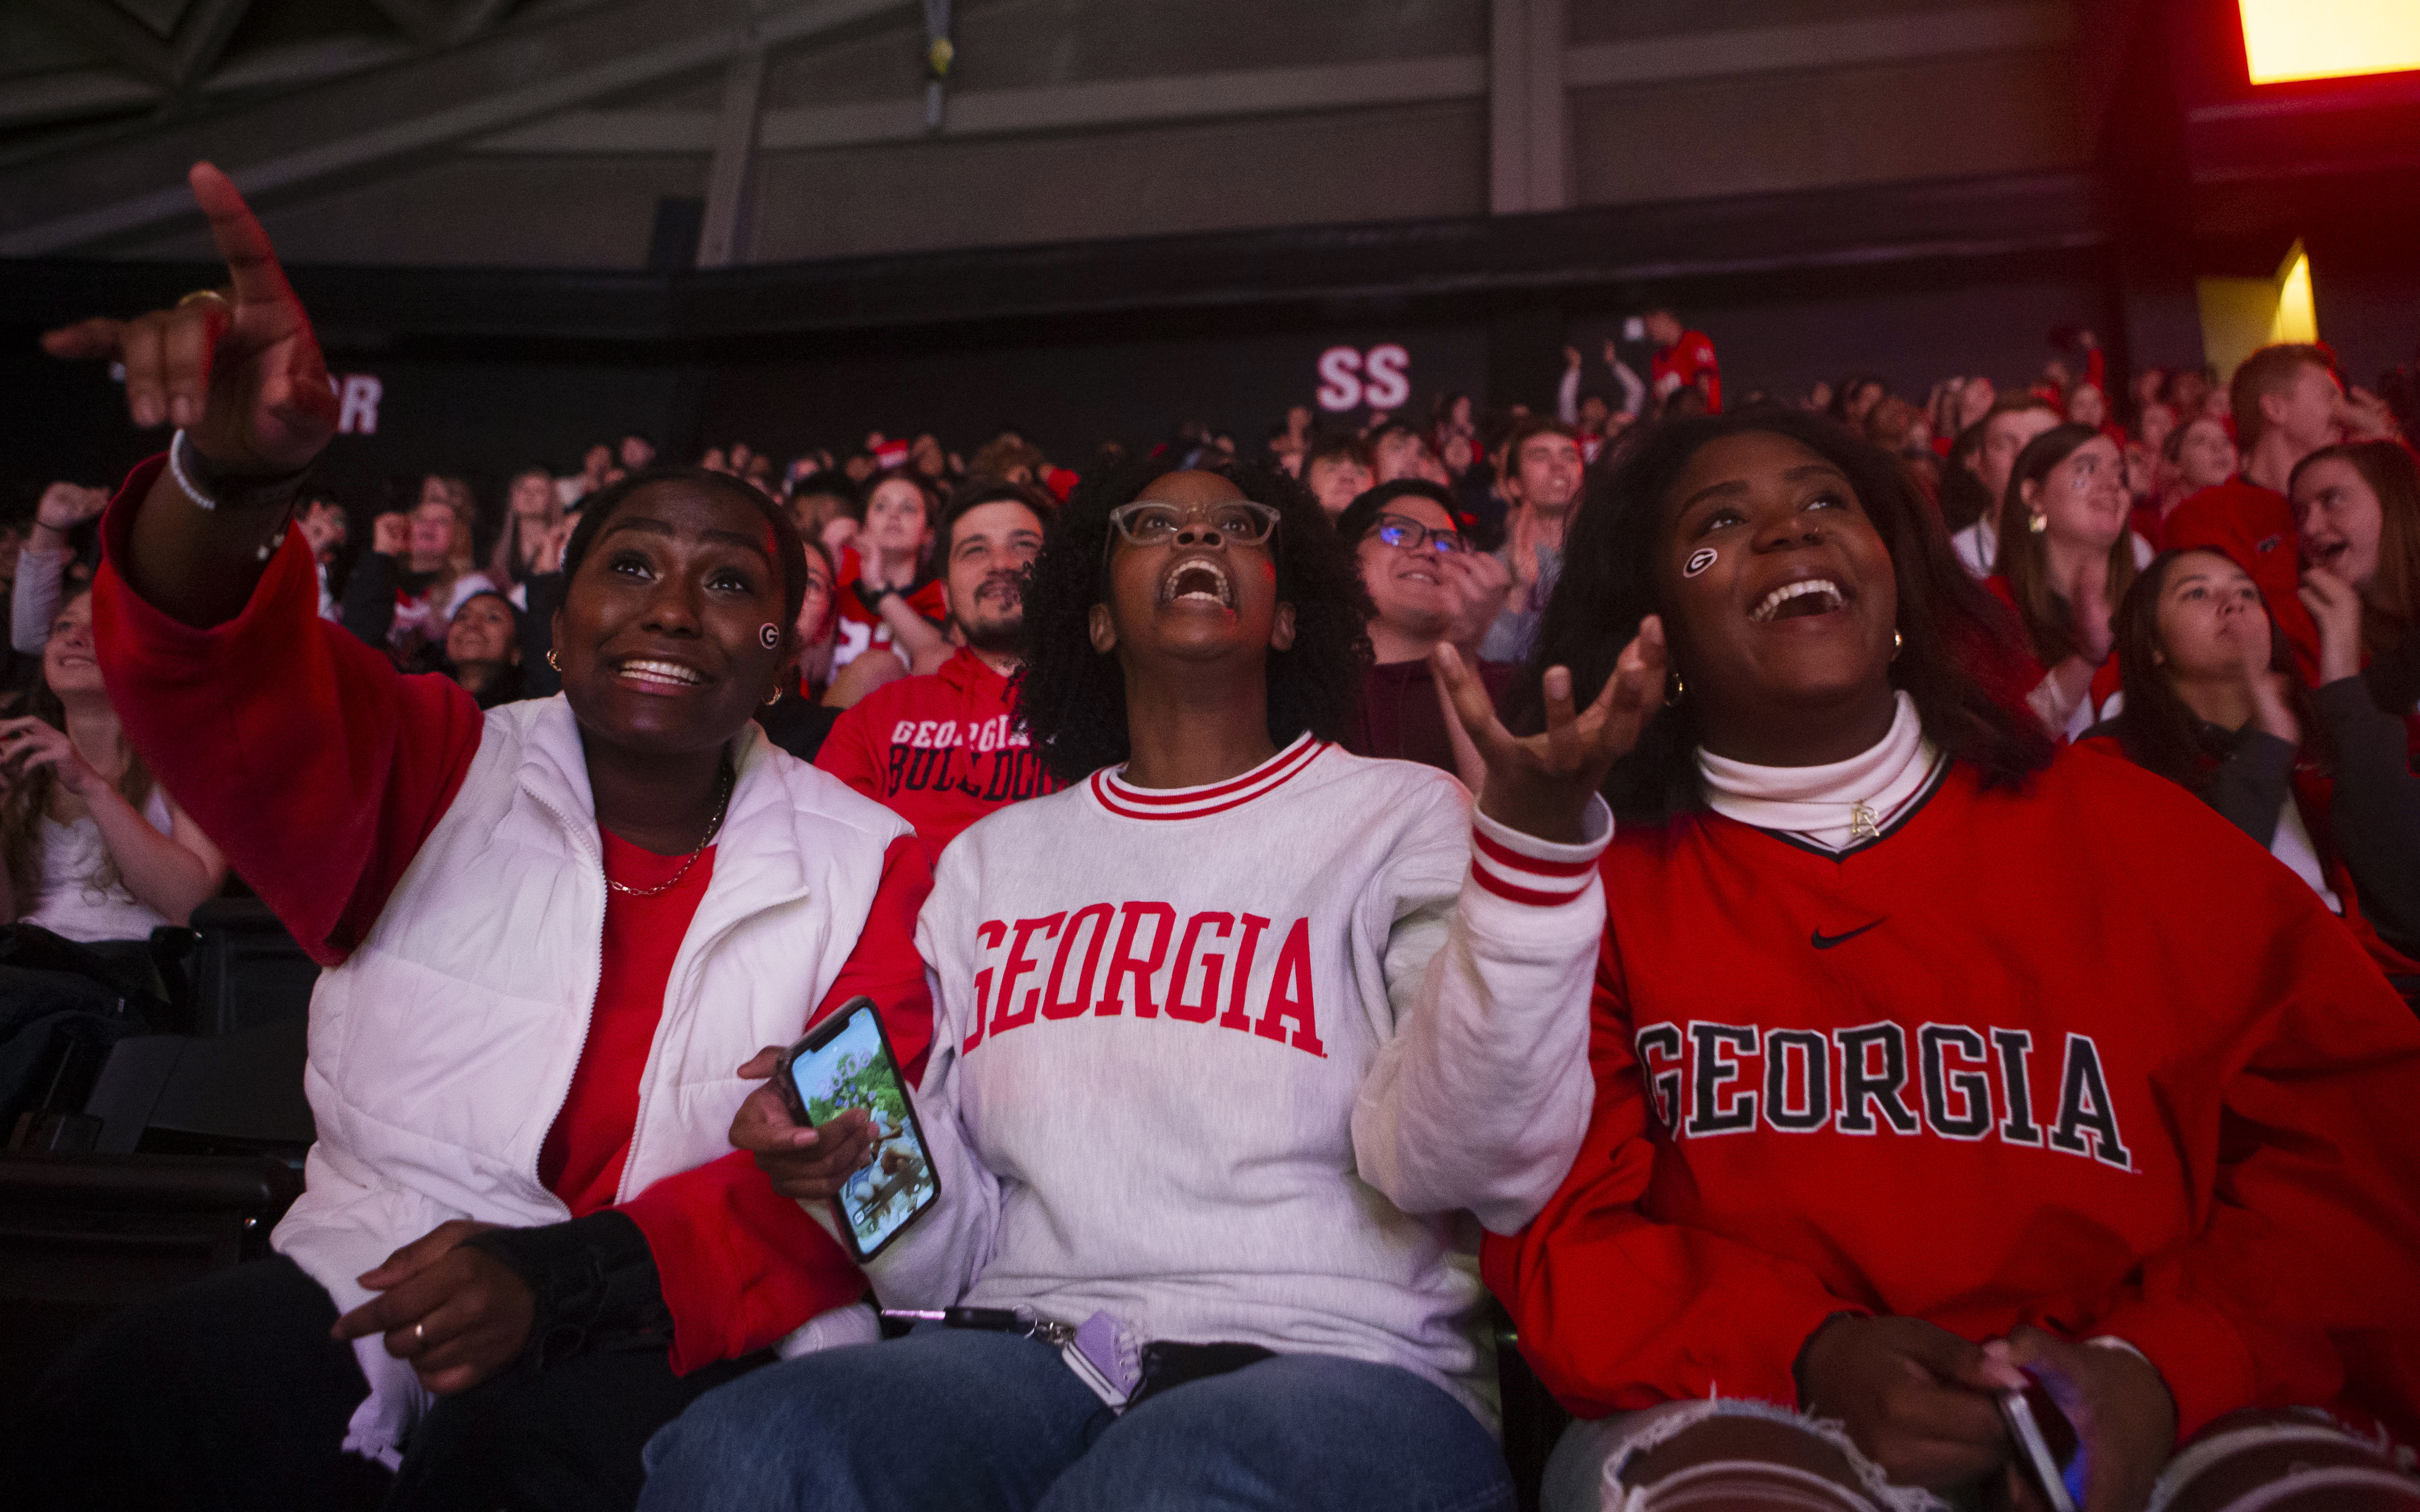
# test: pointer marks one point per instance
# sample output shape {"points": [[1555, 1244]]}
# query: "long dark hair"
{"points": [[28, 798], [1072, 700], [2394, 596], [1956, 661], [2156, 727], [2024, 560]]}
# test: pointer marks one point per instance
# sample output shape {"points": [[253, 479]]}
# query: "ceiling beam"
{"points": [[54, 97], [298, 141], [201, 36], [1131, 102], [117, 34], [419, 20], [730, 180], [983, 112], [1902, 38]]}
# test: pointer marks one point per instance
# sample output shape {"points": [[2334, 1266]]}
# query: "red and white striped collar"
{"points": [[1113, 792]]}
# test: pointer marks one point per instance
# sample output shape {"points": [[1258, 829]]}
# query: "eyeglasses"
{"points": [[1148, 523], [1411, 535]]}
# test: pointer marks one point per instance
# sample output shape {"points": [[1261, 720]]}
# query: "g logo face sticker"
{"points": [[1700, 561], [771, 635]]}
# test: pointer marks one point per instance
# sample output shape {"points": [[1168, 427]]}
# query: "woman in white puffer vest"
{"points": [[552, 934]]}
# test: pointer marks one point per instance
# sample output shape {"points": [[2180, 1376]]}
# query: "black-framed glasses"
{"points": [[1150, 522], [1411, 535]]}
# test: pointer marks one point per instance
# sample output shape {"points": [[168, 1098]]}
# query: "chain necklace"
{"points": [[713, 827]]}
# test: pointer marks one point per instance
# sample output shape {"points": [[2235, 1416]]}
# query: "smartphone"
{"points": [[2041, 1462], [846, 1062]]}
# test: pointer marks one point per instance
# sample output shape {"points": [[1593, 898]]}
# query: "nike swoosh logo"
{"points": [[1825, 942]]}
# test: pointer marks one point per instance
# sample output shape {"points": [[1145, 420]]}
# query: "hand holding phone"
{"points": [[804, 1163], [843, 1077]]}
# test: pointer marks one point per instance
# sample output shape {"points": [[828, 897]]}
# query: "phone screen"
{"points": [[2041, 1432], [846, 1062]]}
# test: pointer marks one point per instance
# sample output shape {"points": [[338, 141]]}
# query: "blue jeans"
{"points": [[964, 1419]]}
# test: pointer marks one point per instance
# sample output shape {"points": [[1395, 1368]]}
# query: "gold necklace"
{"points": [[713, 827]]}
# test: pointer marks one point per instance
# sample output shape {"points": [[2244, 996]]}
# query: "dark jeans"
{"points": [[979, 1422], [230, 1393]]}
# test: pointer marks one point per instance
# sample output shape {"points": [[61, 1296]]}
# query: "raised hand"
{"points": [[66, 505], [1479, 585], [2365, 416], [391, 534], [239, 368], [2335, 606], [28, 745], [457, 1315], [1540, 785], [807, 1164]]}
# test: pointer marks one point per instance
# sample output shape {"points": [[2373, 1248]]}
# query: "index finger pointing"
{"points": [[251, 261]]}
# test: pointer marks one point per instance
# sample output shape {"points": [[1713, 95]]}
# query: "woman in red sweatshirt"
{"points": [[551, 934], [1929, 1063]]}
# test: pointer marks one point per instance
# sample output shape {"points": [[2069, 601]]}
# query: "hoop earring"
{"points": [[554, 658], [775, 699], [1673, 695]]}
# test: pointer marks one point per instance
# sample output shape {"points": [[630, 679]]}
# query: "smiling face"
{"points": [[1546, 473], [2339, 518], [990, 547], [1407, 583], [482, 631], [67, 663], [660, 629], [2208, 607], [1199, 596], [1797, 606], [2082, 500]]}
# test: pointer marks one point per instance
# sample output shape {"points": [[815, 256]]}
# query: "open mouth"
{"points": [[661, 673], [1799, 600], [2323, 556], [1198, 580]]}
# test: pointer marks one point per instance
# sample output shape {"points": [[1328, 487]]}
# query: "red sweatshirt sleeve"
{"points": [[742, 1265], [1615, 1311], [851, 752], [316, 766]]}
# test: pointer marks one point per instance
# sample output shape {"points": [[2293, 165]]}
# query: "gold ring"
{"points": [[201, 294], [419, 1332]]}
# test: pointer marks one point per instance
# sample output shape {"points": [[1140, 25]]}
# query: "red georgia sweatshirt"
{"points": [[2084, 1058]]}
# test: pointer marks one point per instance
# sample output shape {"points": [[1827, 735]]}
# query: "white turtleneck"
{"points": [[1819, 803]]}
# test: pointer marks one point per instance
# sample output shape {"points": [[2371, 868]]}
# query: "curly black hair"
{"points": [[1071, 700], [1960, 659]]}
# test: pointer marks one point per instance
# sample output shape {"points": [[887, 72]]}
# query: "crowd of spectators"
{"points": [[1657, 680]]}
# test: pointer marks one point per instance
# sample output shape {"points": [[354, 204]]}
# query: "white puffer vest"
{"points": [[441, 1050]]}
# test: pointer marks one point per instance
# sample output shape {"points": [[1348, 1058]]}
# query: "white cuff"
{"points": [[1544, 874]]}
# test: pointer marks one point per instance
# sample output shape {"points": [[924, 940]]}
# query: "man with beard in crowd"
{"points": [[937, 749]]}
